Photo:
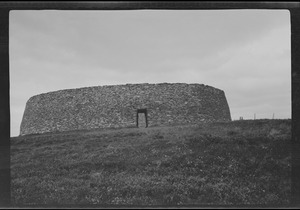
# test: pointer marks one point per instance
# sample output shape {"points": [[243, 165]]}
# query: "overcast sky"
{"points": [[246, 53]]}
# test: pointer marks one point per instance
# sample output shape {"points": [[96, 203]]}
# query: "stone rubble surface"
{"points": [[116, 106]]}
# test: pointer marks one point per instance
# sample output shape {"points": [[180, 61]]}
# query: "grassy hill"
{"points": [[239, 162]]}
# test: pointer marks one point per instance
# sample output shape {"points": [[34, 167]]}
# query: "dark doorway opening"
{"points": [[142, 118]]}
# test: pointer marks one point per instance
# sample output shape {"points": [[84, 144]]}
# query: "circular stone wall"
{"points": [[121, 105]]}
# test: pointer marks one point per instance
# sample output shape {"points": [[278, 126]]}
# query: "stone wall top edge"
{"points": [[126, 85]]}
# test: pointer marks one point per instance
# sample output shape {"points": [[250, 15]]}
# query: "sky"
{"points": [[245, 53]]}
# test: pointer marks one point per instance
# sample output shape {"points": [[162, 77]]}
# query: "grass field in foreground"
{"points": [[239, 162]]}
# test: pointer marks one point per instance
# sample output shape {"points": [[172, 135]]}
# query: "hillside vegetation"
{"points": [[233, 163]]}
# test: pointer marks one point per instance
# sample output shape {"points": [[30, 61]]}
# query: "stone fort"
{"points": [[130, 105]]}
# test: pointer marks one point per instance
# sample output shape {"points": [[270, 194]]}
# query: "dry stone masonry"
{"points": [[118, 106]]}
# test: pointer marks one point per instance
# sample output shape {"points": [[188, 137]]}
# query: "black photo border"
{"points": [[7, 6]]}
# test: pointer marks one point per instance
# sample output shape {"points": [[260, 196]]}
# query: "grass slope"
{"points": [[239, 162]]}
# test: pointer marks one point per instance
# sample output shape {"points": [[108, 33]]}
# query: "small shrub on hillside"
{"points": [[232, 132], [157, 135]]}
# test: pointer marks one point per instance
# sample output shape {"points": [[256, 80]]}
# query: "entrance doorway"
{"points": [[141, 118]]}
